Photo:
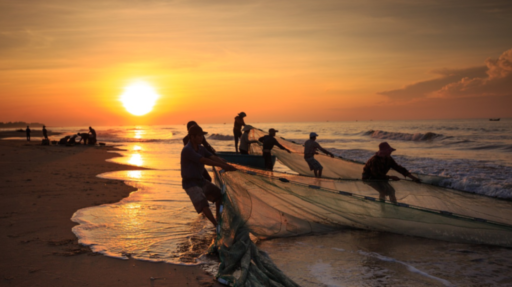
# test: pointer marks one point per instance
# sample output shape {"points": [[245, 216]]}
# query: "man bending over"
{"points": [[193, 158]]}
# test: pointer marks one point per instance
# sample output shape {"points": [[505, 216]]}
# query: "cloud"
{"points": [[497, 83], [425, 88], [493, 79]]}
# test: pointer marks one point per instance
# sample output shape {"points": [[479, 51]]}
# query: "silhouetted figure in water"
{"points": [[205, 144], [27, 130], [245, 143], [45, 133], [377, 167], [237, 128], [310, 147], [269, 142], [383, 188], [193, 158]]}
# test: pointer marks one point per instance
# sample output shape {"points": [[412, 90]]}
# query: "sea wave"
{"points": [[403, 136], [221, 137]]}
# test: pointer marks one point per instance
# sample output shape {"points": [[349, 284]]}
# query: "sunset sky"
{"points": [[68, 62]]}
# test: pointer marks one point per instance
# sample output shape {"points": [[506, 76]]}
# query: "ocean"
{"points": [[158, 222]]}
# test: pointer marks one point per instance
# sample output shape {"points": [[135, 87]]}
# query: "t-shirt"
{"points": [[244, 142], [377, 167], [310, 147], [191, 167], [269, 142]]}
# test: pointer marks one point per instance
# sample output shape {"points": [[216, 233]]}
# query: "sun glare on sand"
{"points": [[139, 98]]}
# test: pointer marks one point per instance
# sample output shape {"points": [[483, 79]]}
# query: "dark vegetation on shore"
{"points": [[19, 125]]}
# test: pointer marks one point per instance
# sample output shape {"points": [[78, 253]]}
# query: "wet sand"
{"points": [[40, 189]]}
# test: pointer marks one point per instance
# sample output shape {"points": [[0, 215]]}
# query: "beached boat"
{"points": [[494, 120], [255, 161]]}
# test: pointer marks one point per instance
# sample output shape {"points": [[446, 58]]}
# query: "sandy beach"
{"points": [[41, 187]]}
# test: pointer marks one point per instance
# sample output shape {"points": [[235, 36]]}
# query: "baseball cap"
{"points": [[196, 130], [313, 134]]}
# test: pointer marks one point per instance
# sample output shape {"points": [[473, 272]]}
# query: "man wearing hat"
{"points": [[269, 141], [245, 143], [310, 147], [378, 165], [193, 158], [237, 128]]}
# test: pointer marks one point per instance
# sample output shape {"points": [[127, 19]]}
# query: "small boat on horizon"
{"points": [[494, 120]]}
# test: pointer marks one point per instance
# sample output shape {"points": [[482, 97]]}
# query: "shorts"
{"points": [[237, 134], [269, 163], [201, 195], [314, 164]]}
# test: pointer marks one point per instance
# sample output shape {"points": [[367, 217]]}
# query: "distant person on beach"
{"points": [[45, 133], [245, 143], [72, 140], [64, 140], [83, 137], [237, 129], [205, 144], [310, 149], [92, 136], [269, 141], [27, 130], [377, 166], [193, 158]]}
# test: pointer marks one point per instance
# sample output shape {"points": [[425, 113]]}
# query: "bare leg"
{"points": [[236, 143], [316, 173], [320, 173], [208, 213]]}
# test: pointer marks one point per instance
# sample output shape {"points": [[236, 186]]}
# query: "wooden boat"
{"points": [[250, 160]]}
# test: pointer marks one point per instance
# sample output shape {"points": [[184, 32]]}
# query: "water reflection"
{"points": [[139, 134], [136, 159], [134, 174]]}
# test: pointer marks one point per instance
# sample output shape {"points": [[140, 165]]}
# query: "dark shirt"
{"points": [[269, 142], [45, 134], [28, 131], [239, 122], [204, 143], [377, 167], [93, 132], [191, 168]]}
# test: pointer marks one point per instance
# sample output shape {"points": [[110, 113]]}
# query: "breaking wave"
{"points": [[403, 136], [221, 137]]}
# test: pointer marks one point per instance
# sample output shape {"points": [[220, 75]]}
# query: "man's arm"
{"points": [[326, 151], [209, 161], [280, 146]]}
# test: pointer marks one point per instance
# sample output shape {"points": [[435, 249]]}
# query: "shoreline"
{"points": [[41, 188]]}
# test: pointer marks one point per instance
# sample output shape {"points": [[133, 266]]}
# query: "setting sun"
{"points": [[139, 98]]}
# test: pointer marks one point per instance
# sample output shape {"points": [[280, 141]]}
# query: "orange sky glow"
{"points": [[66, 63]]}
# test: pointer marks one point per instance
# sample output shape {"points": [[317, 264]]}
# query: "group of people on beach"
{"points": [[87, 138], [197, 153]]}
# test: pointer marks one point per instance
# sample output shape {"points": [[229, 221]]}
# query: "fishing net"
{"points": [[333, 167], [262, 204], [267, 205]]}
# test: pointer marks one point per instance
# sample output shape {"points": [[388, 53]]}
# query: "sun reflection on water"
{"points": [[139, 134], [136, 159], [134, 174]]}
